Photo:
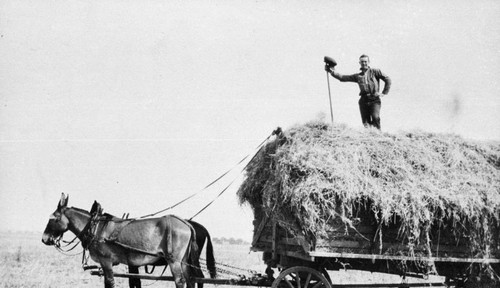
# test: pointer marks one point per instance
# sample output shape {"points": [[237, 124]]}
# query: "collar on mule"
{"points": [[88, 234]]}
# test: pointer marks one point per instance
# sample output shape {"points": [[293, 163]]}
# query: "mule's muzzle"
{"points": [[48, 239]]}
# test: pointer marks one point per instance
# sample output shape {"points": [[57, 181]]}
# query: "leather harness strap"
{"points": [[113, 241]]}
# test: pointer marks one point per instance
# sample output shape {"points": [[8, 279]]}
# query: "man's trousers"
{"points": [[370, 112]]}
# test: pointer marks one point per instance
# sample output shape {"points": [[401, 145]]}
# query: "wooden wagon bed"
{"points": [[358, 248]]}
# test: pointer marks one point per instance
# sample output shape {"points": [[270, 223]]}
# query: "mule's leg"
{"points": [[177, 272], [194, 271], [134, 282], [186, 272], [109, 280], [198, 273]]}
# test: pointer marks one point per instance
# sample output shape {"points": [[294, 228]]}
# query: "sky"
{"points": [[139, 104]]}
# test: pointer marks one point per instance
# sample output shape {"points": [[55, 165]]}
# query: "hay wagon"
{"points": [[356, 247], [329, 198]]}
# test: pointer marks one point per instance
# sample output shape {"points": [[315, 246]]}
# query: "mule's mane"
{"points": [[80, 210], [83, 211]]}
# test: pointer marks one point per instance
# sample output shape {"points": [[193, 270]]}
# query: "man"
{"points": [[369, 85]]}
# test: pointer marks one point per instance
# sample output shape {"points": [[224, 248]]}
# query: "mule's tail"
{"points": [[210, 258], [194, 258]]}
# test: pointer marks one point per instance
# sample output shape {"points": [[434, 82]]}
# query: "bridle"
{"points": [[86, 236], [61, 249]]}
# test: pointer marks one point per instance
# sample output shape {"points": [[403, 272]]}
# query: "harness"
{"points": [[89, 236], [89, 233], [86, 236]]}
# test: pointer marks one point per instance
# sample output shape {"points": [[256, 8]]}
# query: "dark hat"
{"points": [[330, 61]]}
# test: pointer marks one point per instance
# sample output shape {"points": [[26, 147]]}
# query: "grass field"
{"points": [[26, 262]]}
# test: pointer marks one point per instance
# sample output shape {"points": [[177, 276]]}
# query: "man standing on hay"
{"points": [[369, 85]]}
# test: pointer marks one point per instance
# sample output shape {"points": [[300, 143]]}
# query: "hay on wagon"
{"points": [[413, 184]]}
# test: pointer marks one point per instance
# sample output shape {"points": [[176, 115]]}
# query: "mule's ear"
{"points": [[96, 208], [63, 202]]}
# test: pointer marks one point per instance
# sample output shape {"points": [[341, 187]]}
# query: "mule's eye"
{"points": [[56, 218]]}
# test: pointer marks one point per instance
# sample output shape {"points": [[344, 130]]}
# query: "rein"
{"points": [[61, 249], [276, 132]]}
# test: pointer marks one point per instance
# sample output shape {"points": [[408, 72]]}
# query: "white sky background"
{"points": [[138, 104]]}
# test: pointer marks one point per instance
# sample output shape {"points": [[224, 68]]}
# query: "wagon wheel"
{"points": [[301, 277]]}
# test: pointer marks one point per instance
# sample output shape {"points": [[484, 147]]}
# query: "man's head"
{"points": [[364, 61]]}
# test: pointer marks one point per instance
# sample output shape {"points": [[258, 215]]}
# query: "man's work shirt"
{"points": [[368, 81]]}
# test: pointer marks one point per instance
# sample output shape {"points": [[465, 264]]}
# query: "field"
{"points": [[26, 262]]}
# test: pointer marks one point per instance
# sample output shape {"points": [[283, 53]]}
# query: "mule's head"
{"points": [[58, 223]]}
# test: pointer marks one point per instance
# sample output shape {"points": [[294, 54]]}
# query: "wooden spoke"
{"points": [[317, 285], [297, 280], [308, 280], [290, 285]]}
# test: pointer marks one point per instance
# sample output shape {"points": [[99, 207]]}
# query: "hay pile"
{"points": [[316, 173]]}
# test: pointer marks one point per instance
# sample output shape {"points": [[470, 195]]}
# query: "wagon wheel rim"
{"points": [[301, 277]]}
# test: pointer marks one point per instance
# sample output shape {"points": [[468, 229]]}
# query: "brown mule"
{"points": [[202, 236], [111, 240]]}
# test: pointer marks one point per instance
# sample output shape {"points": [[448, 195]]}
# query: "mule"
{"points": [[111, 240], [202, 236]]}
